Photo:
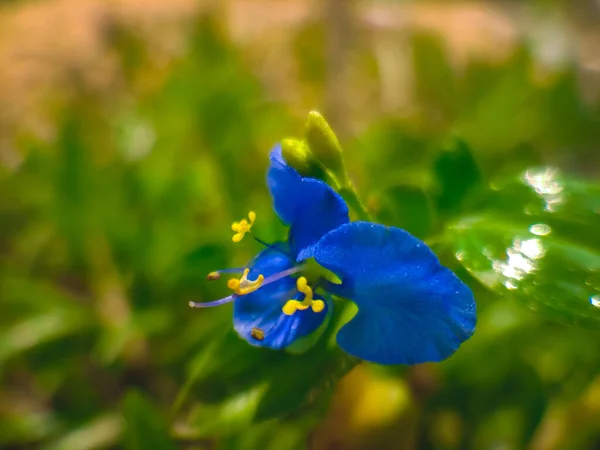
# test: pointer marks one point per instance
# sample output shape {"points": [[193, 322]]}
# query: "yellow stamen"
{"points": [[257, 334], [318, 306], [291, 306], [242, 227], [245, 286], [213, 276]]}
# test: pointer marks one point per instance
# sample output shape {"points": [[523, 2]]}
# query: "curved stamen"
{"points": [[219, 302], [244, 285], [291, 306]]}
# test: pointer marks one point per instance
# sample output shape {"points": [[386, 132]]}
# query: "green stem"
{"points": [[349, 194]]}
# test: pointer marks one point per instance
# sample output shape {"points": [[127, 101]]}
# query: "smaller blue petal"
{"points": [[411, 309], [309, 206], [262, 308]]}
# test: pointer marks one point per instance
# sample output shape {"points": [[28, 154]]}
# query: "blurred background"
{"points": [[133, 132]]}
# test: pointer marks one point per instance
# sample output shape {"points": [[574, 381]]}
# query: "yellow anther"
{"points": [[291, 306], [245, 286], [257, 334], [242, 227], [213, 276], [304, 288], [318, 306]]}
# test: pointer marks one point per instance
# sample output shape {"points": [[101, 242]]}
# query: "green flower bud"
{"points": [[297, 155], [324, 144]]}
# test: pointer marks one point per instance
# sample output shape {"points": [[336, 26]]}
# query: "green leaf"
{"points": [[569, 206], [501, 109], [144, 426], [301, 380], [102, 432], [268, 384], [407, 207], [26, 428], [39, 329], [230, 416], [457, 174], [537, 242], [434, 76], [275, 435]]}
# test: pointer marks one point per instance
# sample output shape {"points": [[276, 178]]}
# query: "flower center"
{"points": [[291, 306], [312, 273]]}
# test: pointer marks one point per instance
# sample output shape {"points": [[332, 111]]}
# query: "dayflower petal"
{"points": [[262, 309], [411, 309], [309, 206]]}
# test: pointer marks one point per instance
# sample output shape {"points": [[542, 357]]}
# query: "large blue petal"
{"points": [[411, 309], [262, 308], [309, 206]]}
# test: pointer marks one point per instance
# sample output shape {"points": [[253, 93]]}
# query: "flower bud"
{"points": [[297, 155], [324, 144]]}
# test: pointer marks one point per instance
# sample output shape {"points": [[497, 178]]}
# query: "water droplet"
{"points": [[460, 256], [488, 252], [540, 229], [546, 183], [532, 248], [595, 301], [521, 260]]}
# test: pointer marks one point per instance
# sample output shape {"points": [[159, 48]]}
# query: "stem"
{"points": [[349, 194]]}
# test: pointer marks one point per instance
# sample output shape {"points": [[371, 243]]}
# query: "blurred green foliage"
{"points": [[110, 226]]}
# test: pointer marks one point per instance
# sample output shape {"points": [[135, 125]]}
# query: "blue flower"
{"points": [[411, 309]]}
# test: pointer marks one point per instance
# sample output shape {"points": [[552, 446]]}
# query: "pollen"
{"points": [[257, 334], [291, 306], [245, 286], [213, 276], [242, 227]]}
